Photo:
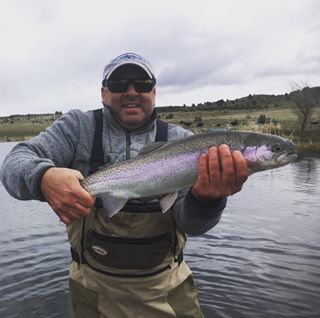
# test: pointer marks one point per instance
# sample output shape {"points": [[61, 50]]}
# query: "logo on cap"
{"points": [[130, 56]]}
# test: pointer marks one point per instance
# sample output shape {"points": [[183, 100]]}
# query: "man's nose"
{"points": [[131, 90]]}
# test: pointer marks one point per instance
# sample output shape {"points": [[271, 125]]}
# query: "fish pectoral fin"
{"points": [[112, 205], [167, 201]]}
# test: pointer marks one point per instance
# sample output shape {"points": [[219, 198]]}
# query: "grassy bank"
{"points": [[276, 120], [24, 127], [282, 121]]}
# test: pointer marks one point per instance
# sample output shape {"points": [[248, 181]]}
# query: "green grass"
{"points": [[22, 127], [283, 118], [280, 120], [21, 131]]}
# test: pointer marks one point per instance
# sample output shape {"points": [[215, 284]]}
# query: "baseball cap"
{"points": [[128, 58]]}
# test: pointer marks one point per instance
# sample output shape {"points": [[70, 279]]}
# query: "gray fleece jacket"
{"points": [[68, 143]]}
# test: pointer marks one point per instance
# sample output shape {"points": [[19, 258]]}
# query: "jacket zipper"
{"points": [[128, 144]]}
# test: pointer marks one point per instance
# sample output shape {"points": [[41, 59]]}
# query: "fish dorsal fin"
{"points": [[152, 147]]}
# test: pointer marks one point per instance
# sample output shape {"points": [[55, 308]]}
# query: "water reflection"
{"points": [[307, 176], [262, 260]]}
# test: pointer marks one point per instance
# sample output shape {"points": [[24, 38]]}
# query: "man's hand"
{"points": [[62, 190], [221, 173]]}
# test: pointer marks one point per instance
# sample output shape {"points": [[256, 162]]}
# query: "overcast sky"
{"points": [[53, 51]]}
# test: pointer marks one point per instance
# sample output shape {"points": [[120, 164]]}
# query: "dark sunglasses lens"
{"points": [[117, 86], [121, 86], [143, 86]]}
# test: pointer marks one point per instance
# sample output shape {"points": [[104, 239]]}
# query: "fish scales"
{"points": [[165, 170]]}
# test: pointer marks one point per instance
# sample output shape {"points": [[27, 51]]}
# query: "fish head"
{"points": [[268, 152]]}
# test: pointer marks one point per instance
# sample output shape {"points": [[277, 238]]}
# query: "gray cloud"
{"points": [[53, 52]]}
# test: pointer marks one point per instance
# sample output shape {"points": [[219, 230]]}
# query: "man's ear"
{"points": [[103, 92]]}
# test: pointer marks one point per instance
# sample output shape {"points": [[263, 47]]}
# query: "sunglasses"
{"points": [[122, 85]]}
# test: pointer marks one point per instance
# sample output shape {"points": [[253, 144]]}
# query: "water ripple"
{"points": [[262, 259]]}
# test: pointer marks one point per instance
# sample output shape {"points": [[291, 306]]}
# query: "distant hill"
{"points": [[249, 102], [260, 101]]}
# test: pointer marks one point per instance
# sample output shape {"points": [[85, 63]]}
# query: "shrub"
{"points": [[262, 119], [169, 116]]}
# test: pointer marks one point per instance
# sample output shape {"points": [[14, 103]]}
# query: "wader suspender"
{"points": [[97, 157], [97, 160]]}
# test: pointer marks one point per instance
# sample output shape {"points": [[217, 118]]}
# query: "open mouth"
{"points": [[131, 105]]}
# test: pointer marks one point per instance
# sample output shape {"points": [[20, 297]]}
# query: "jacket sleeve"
{"points": [[24, 166], [194, 217]]}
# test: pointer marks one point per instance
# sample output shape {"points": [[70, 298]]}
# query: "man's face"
{"points": [[131, 108]]}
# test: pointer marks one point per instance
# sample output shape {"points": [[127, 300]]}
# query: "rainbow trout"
{"points": [[162, 169]]}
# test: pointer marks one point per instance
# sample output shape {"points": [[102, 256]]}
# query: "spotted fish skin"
{"points": [[162, 169]]}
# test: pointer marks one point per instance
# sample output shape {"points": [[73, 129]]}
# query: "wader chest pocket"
{"points": [[128, 253]]}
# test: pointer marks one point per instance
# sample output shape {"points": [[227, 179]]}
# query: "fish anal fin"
{"points": [[111, 204], [167, 201]]}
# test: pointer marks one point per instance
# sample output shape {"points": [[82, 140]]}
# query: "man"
{"points": [[129, 265]]}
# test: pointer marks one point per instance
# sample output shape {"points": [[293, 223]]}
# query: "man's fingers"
{"points": [[83, 197], [66, 220], [221, 173], [227, 166], [79, 175], [241, 168], [203, 177], [214, 166], [62, 189], [79, 209], [70, 213]]}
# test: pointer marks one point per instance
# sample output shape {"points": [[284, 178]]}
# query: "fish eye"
{"points": [[276, 148]]}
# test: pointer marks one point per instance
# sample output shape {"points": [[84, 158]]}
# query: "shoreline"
{"points": [[304, 149]]}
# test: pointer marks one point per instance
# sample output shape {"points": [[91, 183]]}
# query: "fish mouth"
{"points": [[290, 155], [286, 158]]}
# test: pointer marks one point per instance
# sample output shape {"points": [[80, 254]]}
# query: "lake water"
{"points": [[261, 260]]}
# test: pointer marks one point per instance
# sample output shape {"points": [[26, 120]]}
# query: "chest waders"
{"points": [[139, 241]]}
